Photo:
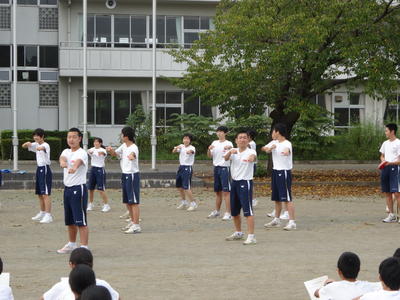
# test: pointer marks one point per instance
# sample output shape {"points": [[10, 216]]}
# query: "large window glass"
{"points": [[48, 2], [193, 26], [138, 31], [48, 56], [349, 109], [26, 75], [103, 107], [27, 56], [121, 106], [5, 56], [27, 2], [90, 107], [121, 31], [173, 32], [103, 30]]}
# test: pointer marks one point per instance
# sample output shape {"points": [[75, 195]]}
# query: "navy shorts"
{"points": [[75, 204], [97, 178], [241, 196], [281, 185], [43, 180], [222, 179], [390, 179], [184, 177], [131, 188]]}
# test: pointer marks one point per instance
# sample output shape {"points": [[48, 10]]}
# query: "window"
{"points": [[103, 107], [138, 31], [193, 26], [392, 111], [103, 30], [48, 2], [122, 104], [27, 75], [5, 2], [27, 56], [348, 109], [48, 56], [5, 56], [121, 31], [48, 76], [27, 2], [194, 105], [48, 94], [4, 75], [5, 94]]}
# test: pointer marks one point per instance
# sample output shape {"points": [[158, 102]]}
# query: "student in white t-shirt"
{"points": [[5, 290], [222, 184], [74, 161], [43, 175], [185, 172], [281, 179], [128, 153], [252, 145], [390, 158], [389, 275], [62, 290], [242, 167], [97, 177], [348, 267]]}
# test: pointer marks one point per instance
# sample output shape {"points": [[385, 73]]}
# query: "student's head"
{"points": [[98, 142], [279, 130], [81, 277], [252, 134], [38, 135], [348, 265], [1, 266], [390, 130], [389, 273], [187, 139], [128, 134], [396, 253], [81, 256], [74, 137], [222, 131], [95, 292], [242, 138]]}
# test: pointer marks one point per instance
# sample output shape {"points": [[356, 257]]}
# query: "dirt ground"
{"points": [[183, 255]]}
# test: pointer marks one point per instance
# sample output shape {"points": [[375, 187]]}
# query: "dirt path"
{"points": [[183, 255]]}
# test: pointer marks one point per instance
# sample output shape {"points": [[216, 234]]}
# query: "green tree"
{"points": [[282, 53]]}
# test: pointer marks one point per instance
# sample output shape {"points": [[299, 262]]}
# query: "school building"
{"points": [[119, 65]]}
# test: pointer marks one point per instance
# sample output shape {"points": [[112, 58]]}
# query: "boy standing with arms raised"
{"points": [[222, 185], [43, 175], [242, 166], [282, 159], [128, 153], [74, 161]]}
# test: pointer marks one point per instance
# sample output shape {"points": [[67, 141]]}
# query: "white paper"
{"points": [[314, 284], [103, 40], [5, 279], [124, 40]]}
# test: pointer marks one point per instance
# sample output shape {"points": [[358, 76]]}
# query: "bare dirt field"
{"points": [[183, 255]]}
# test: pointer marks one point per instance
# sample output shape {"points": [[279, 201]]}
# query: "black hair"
{"points": [[391, 127], [189, 135], [252, 133], [281, 128], [129, 133], [81, 256], [81, 277], [38, 132], [222, 128], [240, 131], [397, 253], [1, 266], [349, 264], [389, 270], [100, 140], [96, 292], [74, 129]]}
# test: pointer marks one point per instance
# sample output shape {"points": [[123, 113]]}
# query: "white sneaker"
{"points": [[124, 215], [227, 216], [106, 208], [249, 241], [290, 226], [46, 219], [213, 214], [236, 236], [90, 206], [193, 206], [391, 218], [129, 225], [284, 215], [274, 223], [66, 249], [254, 202], [183, 205], [38, 217], [271, 214], [134, 229]]}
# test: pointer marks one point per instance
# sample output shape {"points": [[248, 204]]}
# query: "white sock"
{"points": [[85, 246], [277, 219], [292, 222], [238, 233], [72, 244], [184, 201], [250, 236], [42, 212], [47, 214]]}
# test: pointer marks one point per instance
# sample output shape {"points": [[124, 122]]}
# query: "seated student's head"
{"points": [[348, 265], [95, 292], [1, 266], [81, 277], [396, 253], [81, 256], [389, 273]]}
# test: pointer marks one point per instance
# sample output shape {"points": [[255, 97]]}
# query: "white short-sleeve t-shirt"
{"points": [[241, 167], [128, 166], [42, 156], [391, 150], [79, 177], [218, 153], [280, 161], [382, 295], [186, 159], [97, 160], [62, 290], [346, 290], [6, 292]]}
